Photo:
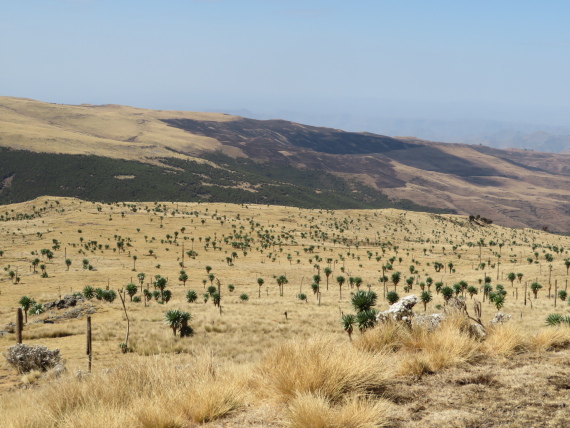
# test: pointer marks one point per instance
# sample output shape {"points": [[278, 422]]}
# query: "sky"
{"points": [[457, 59]]}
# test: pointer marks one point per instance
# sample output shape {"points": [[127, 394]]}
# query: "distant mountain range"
{"points": [[498, 134], [119, 153]]}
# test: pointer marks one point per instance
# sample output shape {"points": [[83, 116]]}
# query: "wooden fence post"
{"points": [[89, 349], [19, 325]]}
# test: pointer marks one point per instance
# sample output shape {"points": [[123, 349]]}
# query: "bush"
{"points": [[25, 358]]}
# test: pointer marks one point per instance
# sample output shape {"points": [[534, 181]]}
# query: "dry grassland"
{"points": [[276, 360], [113, 131]]}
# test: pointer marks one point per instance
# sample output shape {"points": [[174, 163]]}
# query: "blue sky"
{"points": [[505, 60]]}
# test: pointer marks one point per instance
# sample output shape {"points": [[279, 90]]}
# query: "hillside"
{"points": [[219, 157], [271, 357]]}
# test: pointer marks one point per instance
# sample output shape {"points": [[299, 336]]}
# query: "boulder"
{"points": [[477, 330], [500, 318], [67, 302], [431, 322], [399, 311]]}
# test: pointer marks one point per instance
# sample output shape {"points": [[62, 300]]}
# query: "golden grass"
{"points": [[279, 359], [113, 131], [432, 350], [550, 339], [308, 410], [321, 365], [168, 392], [49, 331], [505, 340], [388, 336]]}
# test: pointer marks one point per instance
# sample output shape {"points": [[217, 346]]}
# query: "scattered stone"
{"points": [[73, 313], [67, 302], [399, 311], [78, 312], [431, 322], [58, 370], [9, 328], [477, 331], [456, 303], [500, 318]]}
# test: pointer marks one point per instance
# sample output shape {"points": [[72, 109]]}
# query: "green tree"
{"points": [[340, 280], [131, 290], [166, 296], [447, 293], [498, 300], [535, 286], [160, 284], [244, 297], [302, 297], [141, 276], [67, 263], [366, 319], [216, 299], [327, 272], [281, 281], [347, 322], [25, 303], [363, 300], [511, 276], [425, 297], [175, 319], [438, 287], [88, 292], [396, 276], [183, 277], [357, 282], [392, 297], [191, 296]]}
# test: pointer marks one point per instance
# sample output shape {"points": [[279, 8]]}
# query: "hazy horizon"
{"points": [[409, 60]]}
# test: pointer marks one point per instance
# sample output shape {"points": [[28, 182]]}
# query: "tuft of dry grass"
{"points": [[549, 339], [31, 377], [389, 336], [308, 410], [321, 365], [147, 392], [505, 340], [427, 351]]}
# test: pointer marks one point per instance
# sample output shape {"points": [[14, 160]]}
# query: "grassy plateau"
{"points": [[271, 355]]}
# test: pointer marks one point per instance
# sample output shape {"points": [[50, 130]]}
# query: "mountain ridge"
{"points": [[512, 187]]}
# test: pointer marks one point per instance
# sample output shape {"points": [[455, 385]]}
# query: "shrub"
{"points": [[36, 309], [25, 358], [557, 319], [392, 297], [191, 296]]}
